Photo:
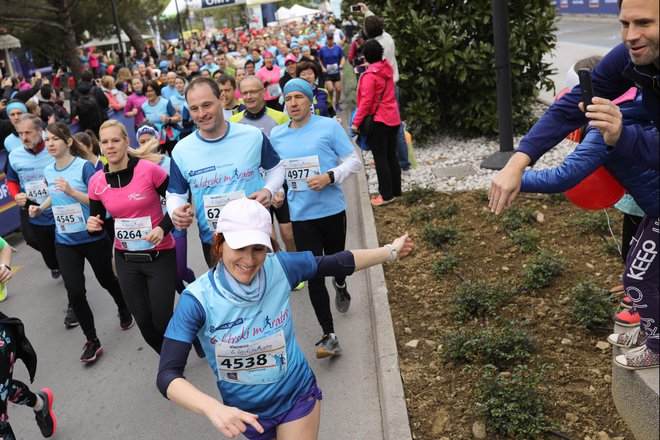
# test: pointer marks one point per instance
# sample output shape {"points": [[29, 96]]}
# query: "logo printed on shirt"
{"points": [[134, 197], [201, 171], [226, 325]]}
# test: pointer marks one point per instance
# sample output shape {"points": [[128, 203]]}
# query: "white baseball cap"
{"points": [[245, 222]]}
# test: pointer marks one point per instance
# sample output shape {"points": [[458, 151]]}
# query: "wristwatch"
{"points": [[331, 174]]}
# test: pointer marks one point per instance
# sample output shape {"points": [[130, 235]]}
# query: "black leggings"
{"points": [[148, 289], [11, 390], [45, 236], [628, 231], [383, 145], [72, 264], [321, 236]]}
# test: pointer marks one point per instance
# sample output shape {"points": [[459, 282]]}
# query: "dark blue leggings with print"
{"points": [[10, 390]]}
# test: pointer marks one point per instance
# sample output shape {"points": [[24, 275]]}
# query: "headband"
{"points": [[16, 105]]}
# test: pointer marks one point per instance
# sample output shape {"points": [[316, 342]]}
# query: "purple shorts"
{"points": [[303, 406]]}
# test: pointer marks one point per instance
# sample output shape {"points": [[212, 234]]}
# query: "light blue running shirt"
{"points": [[220, 170], [28, 170], [326, 139], [71, 215], [251, 347]]}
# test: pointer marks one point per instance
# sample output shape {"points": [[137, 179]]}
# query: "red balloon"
{"points": [[599, 190]]}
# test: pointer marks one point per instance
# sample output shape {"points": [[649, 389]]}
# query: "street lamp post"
{"points": [[122, 56], [178, 19], [498, 160]]}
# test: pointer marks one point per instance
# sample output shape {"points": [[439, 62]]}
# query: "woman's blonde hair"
{"points": [[61, 130], [145, 151], [108, 82], [142, 153], [124, 74]]}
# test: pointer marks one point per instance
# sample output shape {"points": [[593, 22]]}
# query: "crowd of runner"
{"points": [[232, 130]]}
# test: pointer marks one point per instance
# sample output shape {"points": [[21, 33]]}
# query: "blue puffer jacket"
{"points": [[642, 183]]}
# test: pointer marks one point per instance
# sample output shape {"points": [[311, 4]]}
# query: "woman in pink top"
{"points": [[269, 74], [133, 107], [130, 189]]}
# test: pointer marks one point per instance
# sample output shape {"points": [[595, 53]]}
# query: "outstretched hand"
{"points": [[404, 246], [231, 421]]}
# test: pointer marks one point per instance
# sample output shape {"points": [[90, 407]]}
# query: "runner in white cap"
{"points": [[240, 311]]}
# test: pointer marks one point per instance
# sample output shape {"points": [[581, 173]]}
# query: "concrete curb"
{"points": [[394, 413], [635, 395]]}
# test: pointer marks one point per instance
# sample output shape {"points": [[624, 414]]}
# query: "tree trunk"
{"points": [[134, 34], [70, 43]]}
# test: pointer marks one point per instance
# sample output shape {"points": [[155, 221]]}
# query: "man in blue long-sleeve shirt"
{"points": [[634, 62]]}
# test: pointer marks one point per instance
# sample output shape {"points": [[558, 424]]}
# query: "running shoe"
{"points": [[91, 350], [70, 319], [342, 297], [126, 320], [378, 201], [626, 302], [55, 274], [639, 358], [45, 417], [634, 338], [3, 291], [300, 286], [627, 318], [328, 346]]}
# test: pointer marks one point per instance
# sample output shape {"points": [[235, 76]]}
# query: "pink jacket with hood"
{"points": [[378, 76]]}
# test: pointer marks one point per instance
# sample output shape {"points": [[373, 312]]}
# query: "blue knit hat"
{"points": [[299, 85], [16, 105]]}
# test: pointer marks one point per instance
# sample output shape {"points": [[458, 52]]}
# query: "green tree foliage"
{"points": [[445, 52]]}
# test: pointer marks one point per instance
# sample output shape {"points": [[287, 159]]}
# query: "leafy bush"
{"points": [[510, 403], [589, 307], [445, 265], [591, 222], [418, 194], [447, 70], [515, 217], [439, 235], [449, 210], [541, 270], [500, 347], [419, 215], [479, 299], [528, 239]]}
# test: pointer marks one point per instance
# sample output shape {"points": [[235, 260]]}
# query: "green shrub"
{"points": [[476, 299], [510, 402], [439, 235], [590, 222], [445, 265], [418, 194], [419, 215], [482, 195], [589, 307], [541, 270], [528, 239], [500, 347], [449, 210], [447, 70], [515, 217]]}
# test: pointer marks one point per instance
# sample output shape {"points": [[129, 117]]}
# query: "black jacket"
{"points": [[24, 350]]}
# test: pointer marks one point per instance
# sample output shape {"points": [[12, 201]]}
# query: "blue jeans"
{"points": [[401, 144]]}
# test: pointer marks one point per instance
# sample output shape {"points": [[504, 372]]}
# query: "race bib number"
{"points": [[299, 169], [214, 203], [274, 90], [130, 233], [37, 190], [252, 363], [332, 68], [69, 218], [163, 204]]}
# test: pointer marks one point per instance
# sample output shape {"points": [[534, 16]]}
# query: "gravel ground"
{"points": [[444, 150]]}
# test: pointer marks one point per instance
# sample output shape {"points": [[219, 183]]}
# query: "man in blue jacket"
{"points": [[634, 62]]}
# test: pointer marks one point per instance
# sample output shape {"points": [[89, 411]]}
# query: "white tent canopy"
{"points": [[112, 40], [296, 12]]}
